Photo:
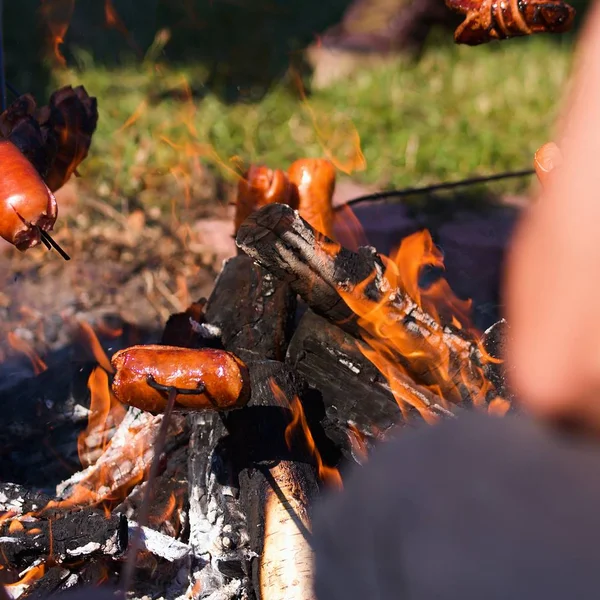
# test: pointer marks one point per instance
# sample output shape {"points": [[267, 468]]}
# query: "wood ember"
{"points": [[320, 271], [64, 536]]}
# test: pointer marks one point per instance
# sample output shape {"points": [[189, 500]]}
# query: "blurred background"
{"points": [[192, 91]]}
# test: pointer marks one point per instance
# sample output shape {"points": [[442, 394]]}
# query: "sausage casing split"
{"points": [[261, 186], [223, 375], [315, 180], [27, 206]]}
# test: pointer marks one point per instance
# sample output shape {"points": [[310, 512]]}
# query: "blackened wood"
{"points": [[255, 313], [278, 484], [355, 395], [320, 270], [68, 535], [18, 500], [253, 310], [52, 582]]}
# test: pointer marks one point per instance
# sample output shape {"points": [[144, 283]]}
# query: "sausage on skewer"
{"points": [[205, 379], [315, 179]]}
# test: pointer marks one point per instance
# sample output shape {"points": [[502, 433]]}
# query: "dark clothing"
{"points": [[480, 508]]}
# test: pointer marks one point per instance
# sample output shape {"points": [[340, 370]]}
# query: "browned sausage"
{"points": [[547, 158], [224, 376], [27, 206], [260, 186], [315, 179]]}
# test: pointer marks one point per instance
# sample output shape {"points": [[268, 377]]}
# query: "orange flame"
{"points": [[106, 412], [299, 425], [31, 576], [114, 21], [338, 136], [88, 336], [395, 351], [20, 345], [358, 443], [58, 14]]}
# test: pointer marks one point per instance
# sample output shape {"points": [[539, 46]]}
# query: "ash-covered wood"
{"points": [[169, 508], [64, 536], [18, 500], [254, 313], [320, 271], [126, 459], [253, 310]]}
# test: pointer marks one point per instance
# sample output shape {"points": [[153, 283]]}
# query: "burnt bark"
{"points": [[278, 484], [321, 272], [253, 310], [69, 535]]}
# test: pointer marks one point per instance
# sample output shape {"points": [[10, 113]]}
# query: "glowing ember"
{"points": [[28, 577], [20, 345]]}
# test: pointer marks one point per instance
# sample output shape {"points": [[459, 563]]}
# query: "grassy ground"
{"points": [[457, 111]]}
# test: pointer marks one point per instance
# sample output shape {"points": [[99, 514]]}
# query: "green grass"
{"points": [[456, 112]]}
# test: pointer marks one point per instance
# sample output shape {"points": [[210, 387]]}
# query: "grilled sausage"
{"points": [[27, 206], [315, 179], [224, 378], [261, 186]]}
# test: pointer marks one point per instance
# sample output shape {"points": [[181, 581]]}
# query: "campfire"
{"points": [[196, 461], [202, 456]]}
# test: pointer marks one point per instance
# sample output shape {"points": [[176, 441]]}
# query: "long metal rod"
{"points": [[3, 104], [448, 185]]}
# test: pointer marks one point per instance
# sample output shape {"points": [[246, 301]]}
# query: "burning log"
{"points": [[64, 536], [246, 449], [359, 398], [124, 462], [341, 285], [17, 500]]}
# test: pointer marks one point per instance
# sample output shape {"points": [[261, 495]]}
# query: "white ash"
{"points": [[159, 544]]}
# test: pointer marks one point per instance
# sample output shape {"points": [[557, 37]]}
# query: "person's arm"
{"points": [[553, 271]]}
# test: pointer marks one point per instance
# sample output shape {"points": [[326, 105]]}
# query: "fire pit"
{"points": [[195, 462], [302, 359]]}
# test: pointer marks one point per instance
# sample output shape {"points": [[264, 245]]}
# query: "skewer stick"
{"points": [[134, 543], [49, 242]]}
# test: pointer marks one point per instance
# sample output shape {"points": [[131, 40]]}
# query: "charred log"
{"points": [[253, 310], [64, 536], [322, 272], [278, 484], [18, 500]]}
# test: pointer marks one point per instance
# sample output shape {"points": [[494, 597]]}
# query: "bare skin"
{"points": [[552, 287]]}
